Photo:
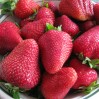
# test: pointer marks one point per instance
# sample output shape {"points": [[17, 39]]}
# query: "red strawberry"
{"points": [[24, 8], [52, 6], [88, 43], [20, 67], [96, 12], [67, 25], [57, 86], [55, 47], [9, 37], [45, 13], [21, 8], [35, 29], [77, 9], [86, 25], [86, 75]]}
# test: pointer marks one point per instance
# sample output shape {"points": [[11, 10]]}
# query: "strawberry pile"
{"points": [[54, 49]]}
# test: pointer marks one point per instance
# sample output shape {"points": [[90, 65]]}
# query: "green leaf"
{"points": [[12, 90], [16, 95], [86, 60], [88, 89], [91, 87], [8, 7], [15, 1], [51, 27], [94, 63], [3, 1], [46, 5]]}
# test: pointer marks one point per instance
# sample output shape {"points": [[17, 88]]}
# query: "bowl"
{"points": [[3, 92]]}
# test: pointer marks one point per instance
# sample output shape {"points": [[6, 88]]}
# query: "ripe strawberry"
{"points": [[86, 75], [24, 8], [44, 12], [20, 67], [35, 29], [88, 43], [96, 12], [86, 25], [55, 47], [67, 25], [9, 37], [52, 6], [21, 8], [57, 86], [77, 9]]}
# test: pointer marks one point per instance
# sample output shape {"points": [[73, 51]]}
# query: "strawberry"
{"points": [[44, 12], [67, 25], [86, 25], [25, 8], [20, 68], [35, 29], [96, 12], [57, 86], [55, 47], [21, 8], [52, 6], [9, 37], [77, 9], [86, 75], [88, 43]]}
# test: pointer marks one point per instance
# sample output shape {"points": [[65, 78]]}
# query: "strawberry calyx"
{"points": [[45, 4], [11, 90], [92, 63], [91, 87], [32, 17], [51, 27], [3, 1], [88, 89], [8, 6]]}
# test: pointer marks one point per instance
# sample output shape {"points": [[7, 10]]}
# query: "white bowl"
{"points": [[3, 95]]}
